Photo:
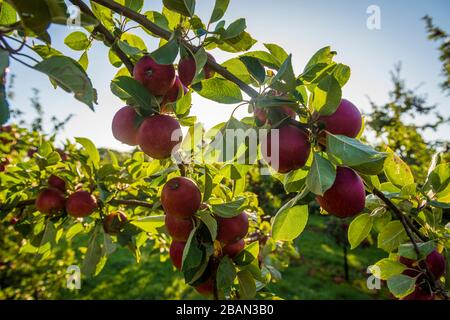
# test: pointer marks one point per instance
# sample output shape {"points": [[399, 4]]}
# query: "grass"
{"points": [[318, 274]]}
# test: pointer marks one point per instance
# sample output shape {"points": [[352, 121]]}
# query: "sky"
{"points": [[301, 28]]}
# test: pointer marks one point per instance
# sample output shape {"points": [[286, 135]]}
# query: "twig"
{"points": [[110, 38], [155, 29]]}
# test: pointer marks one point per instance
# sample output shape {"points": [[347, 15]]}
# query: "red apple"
{"points": [[179, 229], [208, 72], [175, 92], [293, 148], [420, 293], [187, 68], [436, 264], [57, 183], [206, 288], [233, 229], [346, 197], [159, 136], [176, 253], [346, 120], [157, 78], [180, 197], [114, 222], [81, 204], [50, 201], [125, 125], [232, 249]]}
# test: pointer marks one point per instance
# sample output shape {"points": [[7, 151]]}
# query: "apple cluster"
{"points": [[435, 263], [160, 134], [181, 199], [52, 200], [346, 197]]}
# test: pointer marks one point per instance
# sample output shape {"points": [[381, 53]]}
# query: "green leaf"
{"points": [[242, 42], [103, 14], [167, 53], [391, 236], [77, 41], [247, 285], [92, 263], [321, 176], [130, 88], [149, 224], [84, 60], [220, 7], [255, 68], [158, 19], [407, 250], [326, 96], [219, 90], [355, 154], [210, 223], [184, 7], [295, 180], [286, 75], [278, 52], [234, 29], [387, 268], [91, 150], [397, 171], [342, 73], [324, 55], [135, 5], [239, 69], [192, 253], [288, 224], [400, 285], [70, 76], [8, 14], [265, 58], [226, 273], [48, 241], [439, 179], [183, 105], [35, 15], [114, 59], [359, 229], [229, 209]]}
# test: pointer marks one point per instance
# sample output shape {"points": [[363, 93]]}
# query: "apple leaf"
{"points": [[439, 180], [391, 236], [77, 41], [234, 29], [322, 56], [247, 286], [407, 250], [210, 223], [91, 151], [167, 53], [321, 176], [229, 209], [149, 224], [277, 52], [255, 68], [219, 90], [387, 268], [135, 93], [289, 223], [359, 229], [184, 7], [397, 171], [220, 7], [226, 273], [326, 95], [400, 285]]}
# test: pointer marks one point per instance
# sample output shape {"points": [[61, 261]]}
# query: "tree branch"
{"points": [[131, 203], [109, 37], [155, 29]]}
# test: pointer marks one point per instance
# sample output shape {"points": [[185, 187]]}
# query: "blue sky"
{"points": [[301, 27]]}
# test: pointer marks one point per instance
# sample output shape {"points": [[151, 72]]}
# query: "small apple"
{"points": [[176, 253], [114, 222], [175, 92], [231, 230], [180, 197], [57, 183], [157, 78], [125, 126], [346, 197], [159, 136], [206, 288], [80, 204], [50, 201], [233, 249], [187, 69], [293, 148]]}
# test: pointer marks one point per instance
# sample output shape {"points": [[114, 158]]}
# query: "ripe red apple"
{"points": [[206, 288], [125, 125], [81, 204], [233, 229], [57, 183], [232, 249], [187, 68], [346, 120], [346, 197], [180, 197], [293, 148], [179, 229], [50, 201], [176, 253], [157, 78], [261, 114], [175, 92], [114, 222], [159, 136], [31, 152], [436, 264]]}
